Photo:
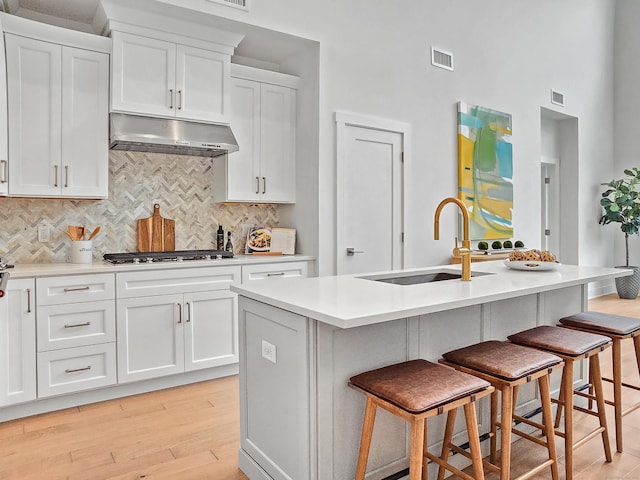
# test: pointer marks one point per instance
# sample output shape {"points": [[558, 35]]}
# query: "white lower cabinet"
{"points": [[18, 343], [73, 369], [265, 271], [76, 333], [187, 330]]}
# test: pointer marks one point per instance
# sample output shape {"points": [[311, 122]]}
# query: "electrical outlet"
{"points": [[44, 233], [268, 351]]}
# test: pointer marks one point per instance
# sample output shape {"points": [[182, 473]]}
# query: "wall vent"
{"points": [[557, 98], [442, 59], [243, 4]]}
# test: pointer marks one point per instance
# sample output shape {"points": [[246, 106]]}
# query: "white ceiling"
{"points": [[259, 44], [81, 11]]}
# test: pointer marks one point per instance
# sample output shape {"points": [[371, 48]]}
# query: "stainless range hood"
{"points": [[178, 137]]}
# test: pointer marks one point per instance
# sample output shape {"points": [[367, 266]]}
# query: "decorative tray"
{"points": [[531, 265]]}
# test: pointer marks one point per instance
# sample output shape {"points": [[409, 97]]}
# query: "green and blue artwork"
{"points": [[485, 170]]}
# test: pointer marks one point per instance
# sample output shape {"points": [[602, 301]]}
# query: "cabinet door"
{"points": [[143, 75], [277, 143], [4, 144], [85, 123], [34, 106], [17, 343], [211, 329], [149, 336], [243, 166], [202, 84]]}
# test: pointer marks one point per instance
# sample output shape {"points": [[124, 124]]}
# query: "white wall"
{"points": [[627, 104], [373, 60]]}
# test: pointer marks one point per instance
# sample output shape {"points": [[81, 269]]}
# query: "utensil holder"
{"points": [[82, 251]]}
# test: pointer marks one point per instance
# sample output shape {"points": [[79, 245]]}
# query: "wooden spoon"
{"points": [[94, 233]]}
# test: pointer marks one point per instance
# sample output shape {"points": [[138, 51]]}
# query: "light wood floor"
{"points": [[192, 433]]}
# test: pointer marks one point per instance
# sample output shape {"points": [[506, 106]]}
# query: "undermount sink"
{"points": [[421, 277]]}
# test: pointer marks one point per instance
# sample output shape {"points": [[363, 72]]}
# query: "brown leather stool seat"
{"points": [[617, 328], [571, 346], [416, 390], [507, 366]]}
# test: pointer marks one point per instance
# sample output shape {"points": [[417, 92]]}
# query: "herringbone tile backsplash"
{"points": [[181, 185]]}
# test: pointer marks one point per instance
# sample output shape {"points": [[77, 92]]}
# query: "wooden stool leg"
{"points": [[417, 448], [636, 344], [365, 439], [594, 366], [506, 422], [616, 352], [474, 440], [494, 427], [567, 393], [560, 405], [547, 421], [448, 435]]}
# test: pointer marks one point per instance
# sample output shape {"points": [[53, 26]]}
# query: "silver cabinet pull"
{"points": [[4, 164], [74, 325], [171, 98], [188, 312], [66, 176], [257, 184], [264, 184], [28, 300], [179, 99], [55, 183], [352, 251], [179, 312], [72, 370], [279, 274], [76, 289]]}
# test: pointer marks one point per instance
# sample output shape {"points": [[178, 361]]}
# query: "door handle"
{"points": [[179, 99], [257, 185], [4, 163], [66, 176], [264, 185], [188, 304], [352, 251], [171, 98], [55, 183], [179, 313]]}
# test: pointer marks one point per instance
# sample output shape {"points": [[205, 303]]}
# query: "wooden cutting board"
{"points": [[156, 234]]}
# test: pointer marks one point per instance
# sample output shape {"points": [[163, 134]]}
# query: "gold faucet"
{"points": [[465, 250]]}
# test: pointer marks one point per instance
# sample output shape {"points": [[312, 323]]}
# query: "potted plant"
{"points": [[621, 204]]}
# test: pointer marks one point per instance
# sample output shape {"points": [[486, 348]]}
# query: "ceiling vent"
{"points": [[442, 59], [233, 3], [557, 98]]}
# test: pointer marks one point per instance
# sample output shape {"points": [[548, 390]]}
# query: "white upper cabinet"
{"points": [[156, 77], [263, 119], [4, 144], [58, 111], [85, 123]]}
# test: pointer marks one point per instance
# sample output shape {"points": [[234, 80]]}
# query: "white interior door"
{"points": [[369, 197]]}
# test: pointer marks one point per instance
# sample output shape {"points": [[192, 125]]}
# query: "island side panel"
{"points": [[275, 392], [343, 353]]}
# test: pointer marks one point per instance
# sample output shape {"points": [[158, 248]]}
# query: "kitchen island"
{"points": [[301, 340]]}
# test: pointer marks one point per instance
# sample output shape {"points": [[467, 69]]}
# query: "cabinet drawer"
{"points": [[252, 273], [76, 324], [74, 369], [183, 280], [75, 288]]}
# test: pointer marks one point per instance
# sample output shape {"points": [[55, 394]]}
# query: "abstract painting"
{"points": [[485, 171]]}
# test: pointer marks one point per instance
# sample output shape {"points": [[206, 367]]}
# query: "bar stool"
{"points": [[414, 391], [617, 328], [506, 366], [571, 346]]}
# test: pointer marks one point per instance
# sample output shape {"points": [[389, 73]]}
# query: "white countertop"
{"points": [[347, 301], [28, 270]]}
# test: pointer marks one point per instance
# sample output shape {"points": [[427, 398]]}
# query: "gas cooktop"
{"points": [[172, 256]]}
